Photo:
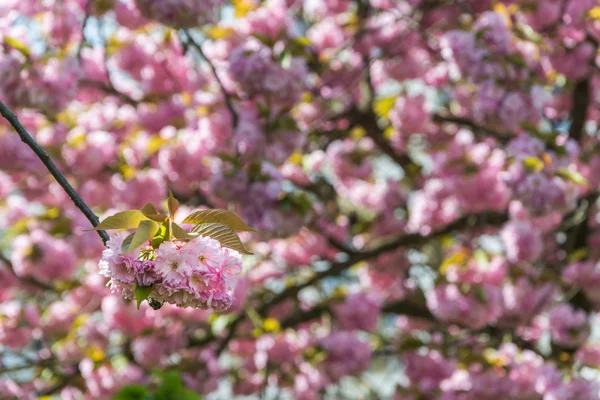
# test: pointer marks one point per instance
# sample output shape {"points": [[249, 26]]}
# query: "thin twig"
{"points": [[60, 178], [503, 137], [109, 89], [88, 9], [411, 239], [226, 94]]}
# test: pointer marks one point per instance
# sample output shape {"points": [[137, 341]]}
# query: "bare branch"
{"points": [[60, 178], [109, 89], [503, 137], [226, 95]]}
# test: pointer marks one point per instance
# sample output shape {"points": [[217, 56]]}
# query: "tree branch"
{"points": [[410, 239], [60, 178], [109, 89], [582, 97], [226, 95], [503, 137], [579, 110]]}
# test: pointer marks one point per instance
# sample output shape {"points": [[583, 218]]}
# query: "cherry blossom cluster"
{"points": [[200, 273]]}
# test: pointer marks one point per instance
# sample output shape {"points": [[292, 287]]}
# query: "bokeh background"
{"points": [[423, 176]]}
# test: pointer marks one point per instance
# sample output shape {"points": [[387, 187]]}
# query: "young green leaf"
{"points": [[145, 231], [152, 213], [218, 216], [159, 237], [571, 175], [122, 220], [533, 164], [179, 232], [142, 293], [222, 233], [126, 243], [172, 204]]}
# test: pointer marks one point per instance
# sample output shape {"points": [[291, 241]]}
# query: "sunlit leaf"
{"points": [[126, 243], [218, 216], [160, 235], [383, 106], [222, 233], [17, 45], [122, 220], [457, 258], [271, 325], [533, 164], [155, 143], [173, 205], [571, 175], [179, 233], [142, 293], [218, 32], [243, 7], [594, 13], [145, 231], [152, 213]]}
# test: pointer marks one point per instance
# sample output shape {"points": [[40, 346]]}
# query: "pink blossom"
{"points": [[179, 13], [346, 355], [359, 311], [39, 248], [569, 327], [522, 241], [475, 308], [428, 371]]}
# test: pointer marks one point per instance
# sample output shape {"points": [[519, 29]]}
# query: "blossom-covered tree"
{"points": [[419, 180]]}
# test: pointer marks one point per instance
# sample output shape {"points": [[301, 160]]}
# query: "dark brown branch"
{"points": [[582, 98], [82, 43], [368, 120], [503, 137], [109, 89], [45, 158], [579, 110], [411, 239], [400, 307], [226, 94]]}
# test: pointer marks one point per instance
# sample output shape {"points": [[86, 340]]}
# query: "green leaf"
{"points": [[481, 257], [458, 258], [152, 213], [122, 220], [179, 232], [159, 237], [142, 293], [480, 294], [533, 164], [145, 231], [594, 13], [173, 205], [126, 243], [571, 175], [133, 392], [222, 233], [383, 106], [17, 45], [218, 216]]}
